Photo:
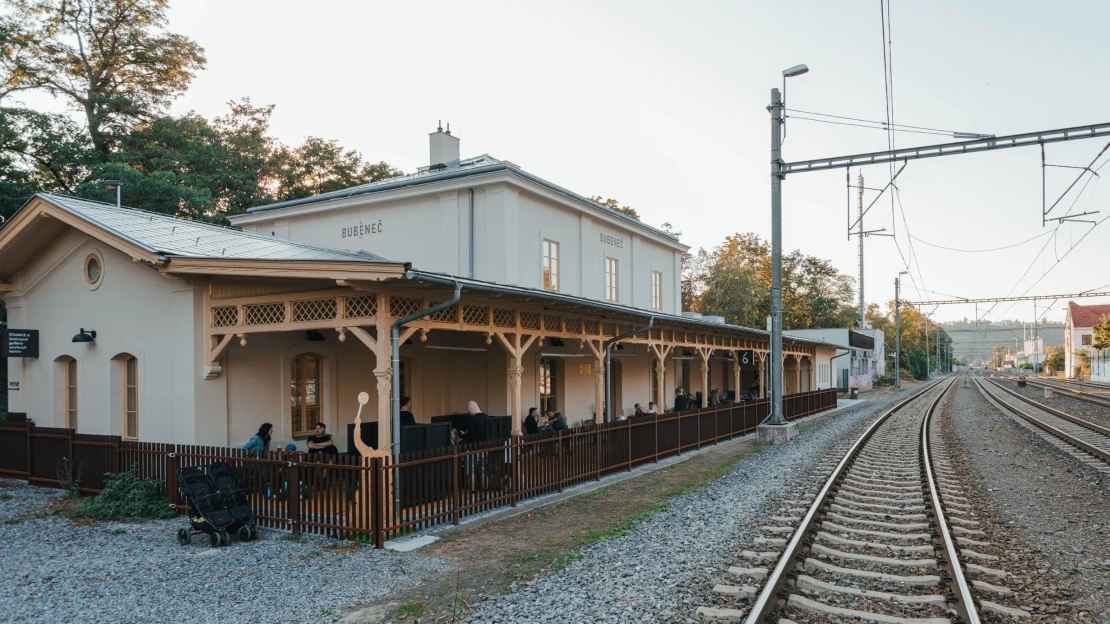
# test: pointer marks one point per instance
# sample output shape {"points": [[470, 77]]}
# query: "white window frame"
{"points": [[70, 397], [130, 410], [612, 279], [657, 291], [549, 265]]}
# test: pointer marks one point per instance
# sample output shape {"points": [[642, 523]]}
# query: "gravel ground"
{"points": [[1095, 413], [666, 567], [1049, 508], [54, 571]]}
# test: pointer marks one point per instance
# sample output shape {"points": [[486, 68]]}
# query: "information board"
{"points": [[19, 343], [746, 358]]}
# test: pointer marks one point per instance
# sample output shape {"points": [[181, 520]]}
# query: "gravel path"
{"points": [[1095, 413], [1051, 508], [666, 567], [53, 571]]}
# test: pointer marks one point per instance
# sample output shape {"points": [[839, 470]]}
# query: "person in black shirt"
{"points": [[531, 425], [407, 417], [477, 430], [321, 442], [680, 403]]}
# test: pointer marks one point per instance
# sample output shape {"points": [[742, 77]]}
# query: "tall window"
{"points": [[611, 279], [656, 290], [131, 399], [71, 394], [550, 265], [305, 392], [1086, 339], [549, 385]]}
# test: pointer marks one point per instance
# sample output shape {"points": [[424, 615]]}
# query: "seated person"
{"points": [[558, 423], [321, 442], [680, 402], [639, 411], [407, 417], [531, 425], [651, 408]]}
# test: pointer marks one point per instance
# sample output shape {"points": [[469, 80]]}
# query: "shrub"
{"points": [[127, 497]]}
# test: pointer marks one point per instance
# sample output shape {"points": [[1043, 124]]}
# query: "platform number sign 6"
{"points": [[746, 357]]}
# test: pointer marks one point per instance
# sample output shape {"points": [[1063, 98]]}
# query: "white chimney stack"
{"points": [[443, 146]]}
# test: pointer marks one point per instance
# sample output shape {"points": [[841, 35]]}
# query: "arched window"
{"points": [[131, 399], [305, 392], [548, 385], [71, 393]]}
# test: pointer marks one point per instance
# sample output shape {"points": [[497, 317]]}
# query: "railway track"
{"points": [[890, 537], [1086, 441], [1082, 392]]}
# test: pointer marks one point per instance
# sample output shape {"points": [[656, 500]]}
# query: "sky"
{"points": [[662, 105]]}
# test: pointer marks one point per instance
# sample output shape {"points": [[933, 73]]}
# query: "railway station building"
{"points": [[1079, 338], [161, 329]]}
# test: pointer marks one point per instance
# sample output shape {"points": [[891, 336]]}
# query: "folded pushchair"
{"points": [[217, 505]]}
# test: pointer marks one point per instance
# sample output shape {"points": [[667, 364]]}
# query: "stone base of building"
{"points": [[776, 434]]}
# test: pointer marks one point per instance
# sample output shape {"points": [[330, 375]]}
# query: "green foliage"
{"points": [[1102, 334], [915, 359], [613, 204], [412, 609], [70, 481], [127, 497], [1055, 360], [1026, 366], [734, 280]]}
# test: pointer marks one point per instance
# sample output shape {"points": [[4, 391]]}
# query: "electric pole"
{"points": [[926, 346], [898, 332], [862, 303]]}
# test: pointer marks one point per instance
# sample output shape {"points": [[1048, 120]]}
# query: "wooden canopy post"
{"points": [[660, 351], [762, 383], [516, 349], [597, 348], [736, 373], [705, 352]]}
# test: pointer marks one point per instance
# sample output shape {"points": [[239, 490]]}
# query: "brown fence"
{"points": [[375, 499]]}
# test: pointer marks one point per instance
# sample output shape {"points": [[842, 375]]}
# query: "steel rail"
{"points": [[1076, 393], [1086, 424], [965, 604], [1066, 437], [765, 604]]}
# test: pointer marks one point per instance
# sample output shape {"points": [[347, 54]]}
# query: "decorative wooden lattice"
{"points": [[265, 313], [504, 318], [609, 329], [530, 320], [591, 327], [227, 316], [668, 335], [475, 315], [446, 315], [362, 306], [624, 329], [573, 325], [656, 334], [403, 306], [314, 310], [553, 322]]}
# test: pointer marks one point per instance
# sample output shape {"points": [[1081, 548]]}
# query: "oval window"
{"points": [[92, 269]]}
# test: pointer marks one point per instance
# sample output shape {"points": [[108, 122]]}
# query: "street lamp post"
{"points": [[777, 118], [116, 184], [898, 332]]}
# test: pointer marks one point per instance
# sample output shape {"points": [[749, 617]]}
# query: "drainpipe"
{"points": [[832, 368], [470, 247], [394, 340], [608, 372]]}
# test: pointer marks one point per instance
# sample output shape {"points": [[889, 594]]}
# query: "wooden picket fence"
{"points": [[374, 499]]}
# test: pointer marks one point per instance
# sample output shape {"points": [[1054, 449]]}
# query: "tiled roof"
{"points": [[170, 236], [1087, 315]]}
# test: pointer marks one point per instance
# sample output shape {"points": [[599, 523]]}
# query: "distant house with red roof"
{"points": [[1079, 337]]}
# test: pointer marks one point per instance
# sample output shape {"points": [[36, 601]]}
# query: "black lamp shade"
{"points": [[314, 335], [85, 336]]}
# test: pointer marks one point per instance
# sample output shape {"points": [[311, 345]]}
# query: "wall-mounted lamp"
{"points": [[85, 336], [314, 335], [558, 342]]}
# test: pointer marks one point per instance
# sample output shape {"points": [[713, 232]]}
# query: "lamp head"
{"points": [[796, 70], [363, 398], [111, 184], [85, 336]]}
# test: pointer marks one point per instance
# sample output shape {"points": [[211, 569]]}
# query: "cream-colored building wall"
{"points": [[135, 311]]}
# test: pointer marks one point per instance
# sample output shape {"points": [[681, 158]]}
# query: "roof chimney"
{"points": [[443, 146]]}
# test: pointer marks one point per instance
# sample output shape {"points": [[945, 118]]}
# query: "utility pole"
{"points": [[898, 332], [927, 368], [776, 260], [862, 303], [1036, 365], [937, 327]]}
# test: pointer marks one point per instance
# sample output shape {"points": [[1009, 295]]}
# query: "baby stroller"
{"points": [[217, 505]]}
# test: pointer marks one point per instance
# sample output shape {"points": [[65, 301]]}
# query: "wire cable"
{"points": [[925, 242], [844, 123]]}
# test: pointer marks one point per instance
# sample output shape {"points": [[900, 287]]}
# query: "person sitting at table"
{"points": [[260, 442], [752, 394], [531, 425], [407, 417], [321, 442], [639, 411], [558, 423], [651, 408]]}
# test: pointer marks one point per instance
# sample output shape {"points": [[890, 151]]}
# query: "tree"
{"points": [[613, 204], [320, 166], [111, 60], [1102, 334], [1054, 361]]}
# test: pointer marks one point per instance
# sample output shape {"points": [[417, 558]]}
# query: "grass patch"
{"points": [[6, 497], [412, 609], [126, 497], [13, 521], [326, 611], [310, 556], [290, 537]]}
